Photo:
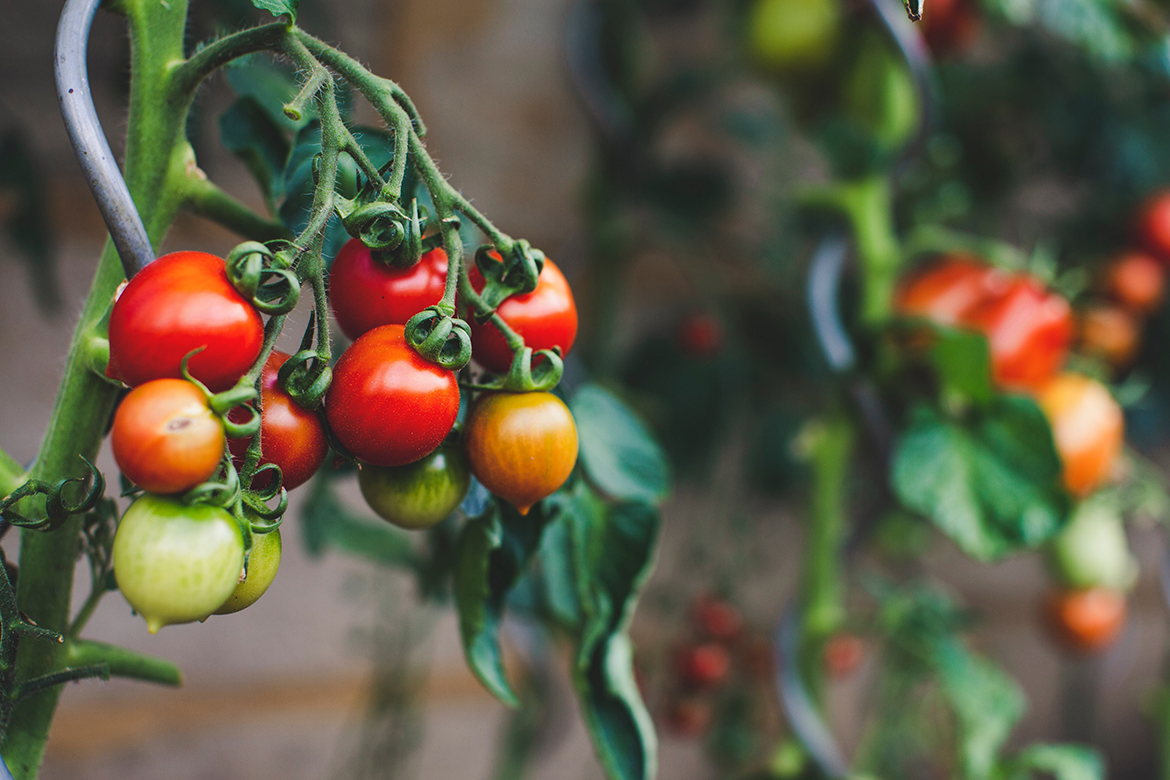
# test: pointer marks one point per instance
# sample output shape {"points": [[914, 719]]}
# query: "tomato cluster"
{"points": [[180, 331]]}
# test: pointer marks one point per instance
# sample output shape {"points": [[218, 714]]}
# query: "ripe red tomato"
{"points": [[178, 303], [521, 446], [716, 618], [291, 436], [388, 405], [1028, 329], [1137, 281], [165, 437], [1153, 226], [1110, 333], [703, 666], [365, 293], [544, 318], [950, 26], [176, 563], [843, 653], [947, 291], [1088, 428], [1088, 620]]}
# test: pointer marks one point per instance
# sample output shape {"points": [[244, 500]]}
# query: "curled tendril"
{"points": [[512, 270], [260, 509], [221, 404], [57, 507], [523, 377], [224, 493], [393, 236], [247, 266], [440, 338], [274, 484], [305, 377]]}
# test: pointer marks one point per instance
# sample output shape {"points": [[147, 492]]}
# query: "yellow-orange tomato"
{"points": [[521, 446], [1086, 621], [165, 438], [1087, 426], [1110, 333], [1135, 280]]}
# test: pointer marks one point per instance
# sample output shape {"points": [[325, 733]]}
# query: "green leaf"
{"points": [[492, 553], [247, 131], [992, 485], [326, 522], [986, 702], [613, 554], [279, 7], [1064, 762], [618, 453], [271, 84], [556, 583], [963, 361]]}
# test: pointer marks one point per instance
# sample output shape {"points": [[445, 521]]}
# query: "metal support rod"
{"points": [[89, 142]]}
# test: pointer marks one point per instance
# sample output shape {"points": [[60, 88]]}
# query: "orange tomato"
{"points": [[1086, 621], [1088, 428], [946, 291], [165, 437], [1135, 280], [1110, 333]]}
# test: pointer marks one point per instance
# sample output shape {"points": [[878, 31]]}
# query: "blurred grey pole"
{"points": [[89, 142]]}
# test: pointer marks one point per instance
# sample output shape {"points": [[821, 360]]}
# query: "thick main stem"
{"points": [[156, 159]]}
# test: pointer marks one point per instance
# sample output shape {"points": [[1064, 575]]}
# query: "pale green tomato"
{"points": [[176, 563], [263, 562], [419, 494], [1092, 551], [793, 34]]}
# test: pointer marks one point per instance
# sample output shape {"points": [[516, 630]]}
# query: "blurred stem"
{"points": [[12, 474], [208, 200], [123, 662], [830, 449]]}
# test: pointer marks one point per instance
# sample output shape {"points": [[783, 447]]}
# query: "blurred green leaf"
{"points": [[992, 485], [963, 362], [618, 453], [247, 131], [326, 522], [492, 553], [1063, 762]]}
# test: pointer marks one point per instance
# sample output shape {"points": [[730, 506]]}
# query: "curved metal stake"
{"points": [[89, 142], [824, 278], [917, 56], [803, 717]]}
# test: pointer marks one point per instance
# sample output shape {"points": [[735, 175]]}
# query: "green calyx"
{"points": [[439, 337], [392, 235], [509, 270], [247, 266], [524, 377]]}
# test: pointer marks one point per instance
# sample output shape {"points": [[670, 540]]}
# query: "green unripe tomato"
{"points": [[880, 94], [1092, 550], [419, 494], [787, 35], [263, 562], [176, 563]]}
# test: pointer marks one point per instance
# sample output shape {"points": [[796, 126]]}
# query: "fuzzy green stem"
{"points": [[208, 200], [123, 662]]}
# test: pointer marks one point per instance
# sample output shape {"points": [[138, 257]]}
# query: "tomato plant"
{"points": [[947, 291], [365, 292], [263, 561], [521, 446], [387, 405], [183, 302], [544, 318], [1088, 427], [1136, 281], [176, 563], [419, 494], [292, 437], [165, 437], [1153, 226]]}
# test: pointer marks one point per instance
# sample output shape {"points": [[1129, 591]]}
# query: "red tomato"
{"points": [[180, 302], [544, 318], [716, 618], [1086, 621], [950, 26], [1028, 329], [1137, 281], [291, 436], [700, 335], [388, 405], [521, 446], [1088, 428], [948, 290], [165, 437], [365, 293], [1111, 333], [689, 717], [703, 666], [1153, 226], [843, 654]]}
